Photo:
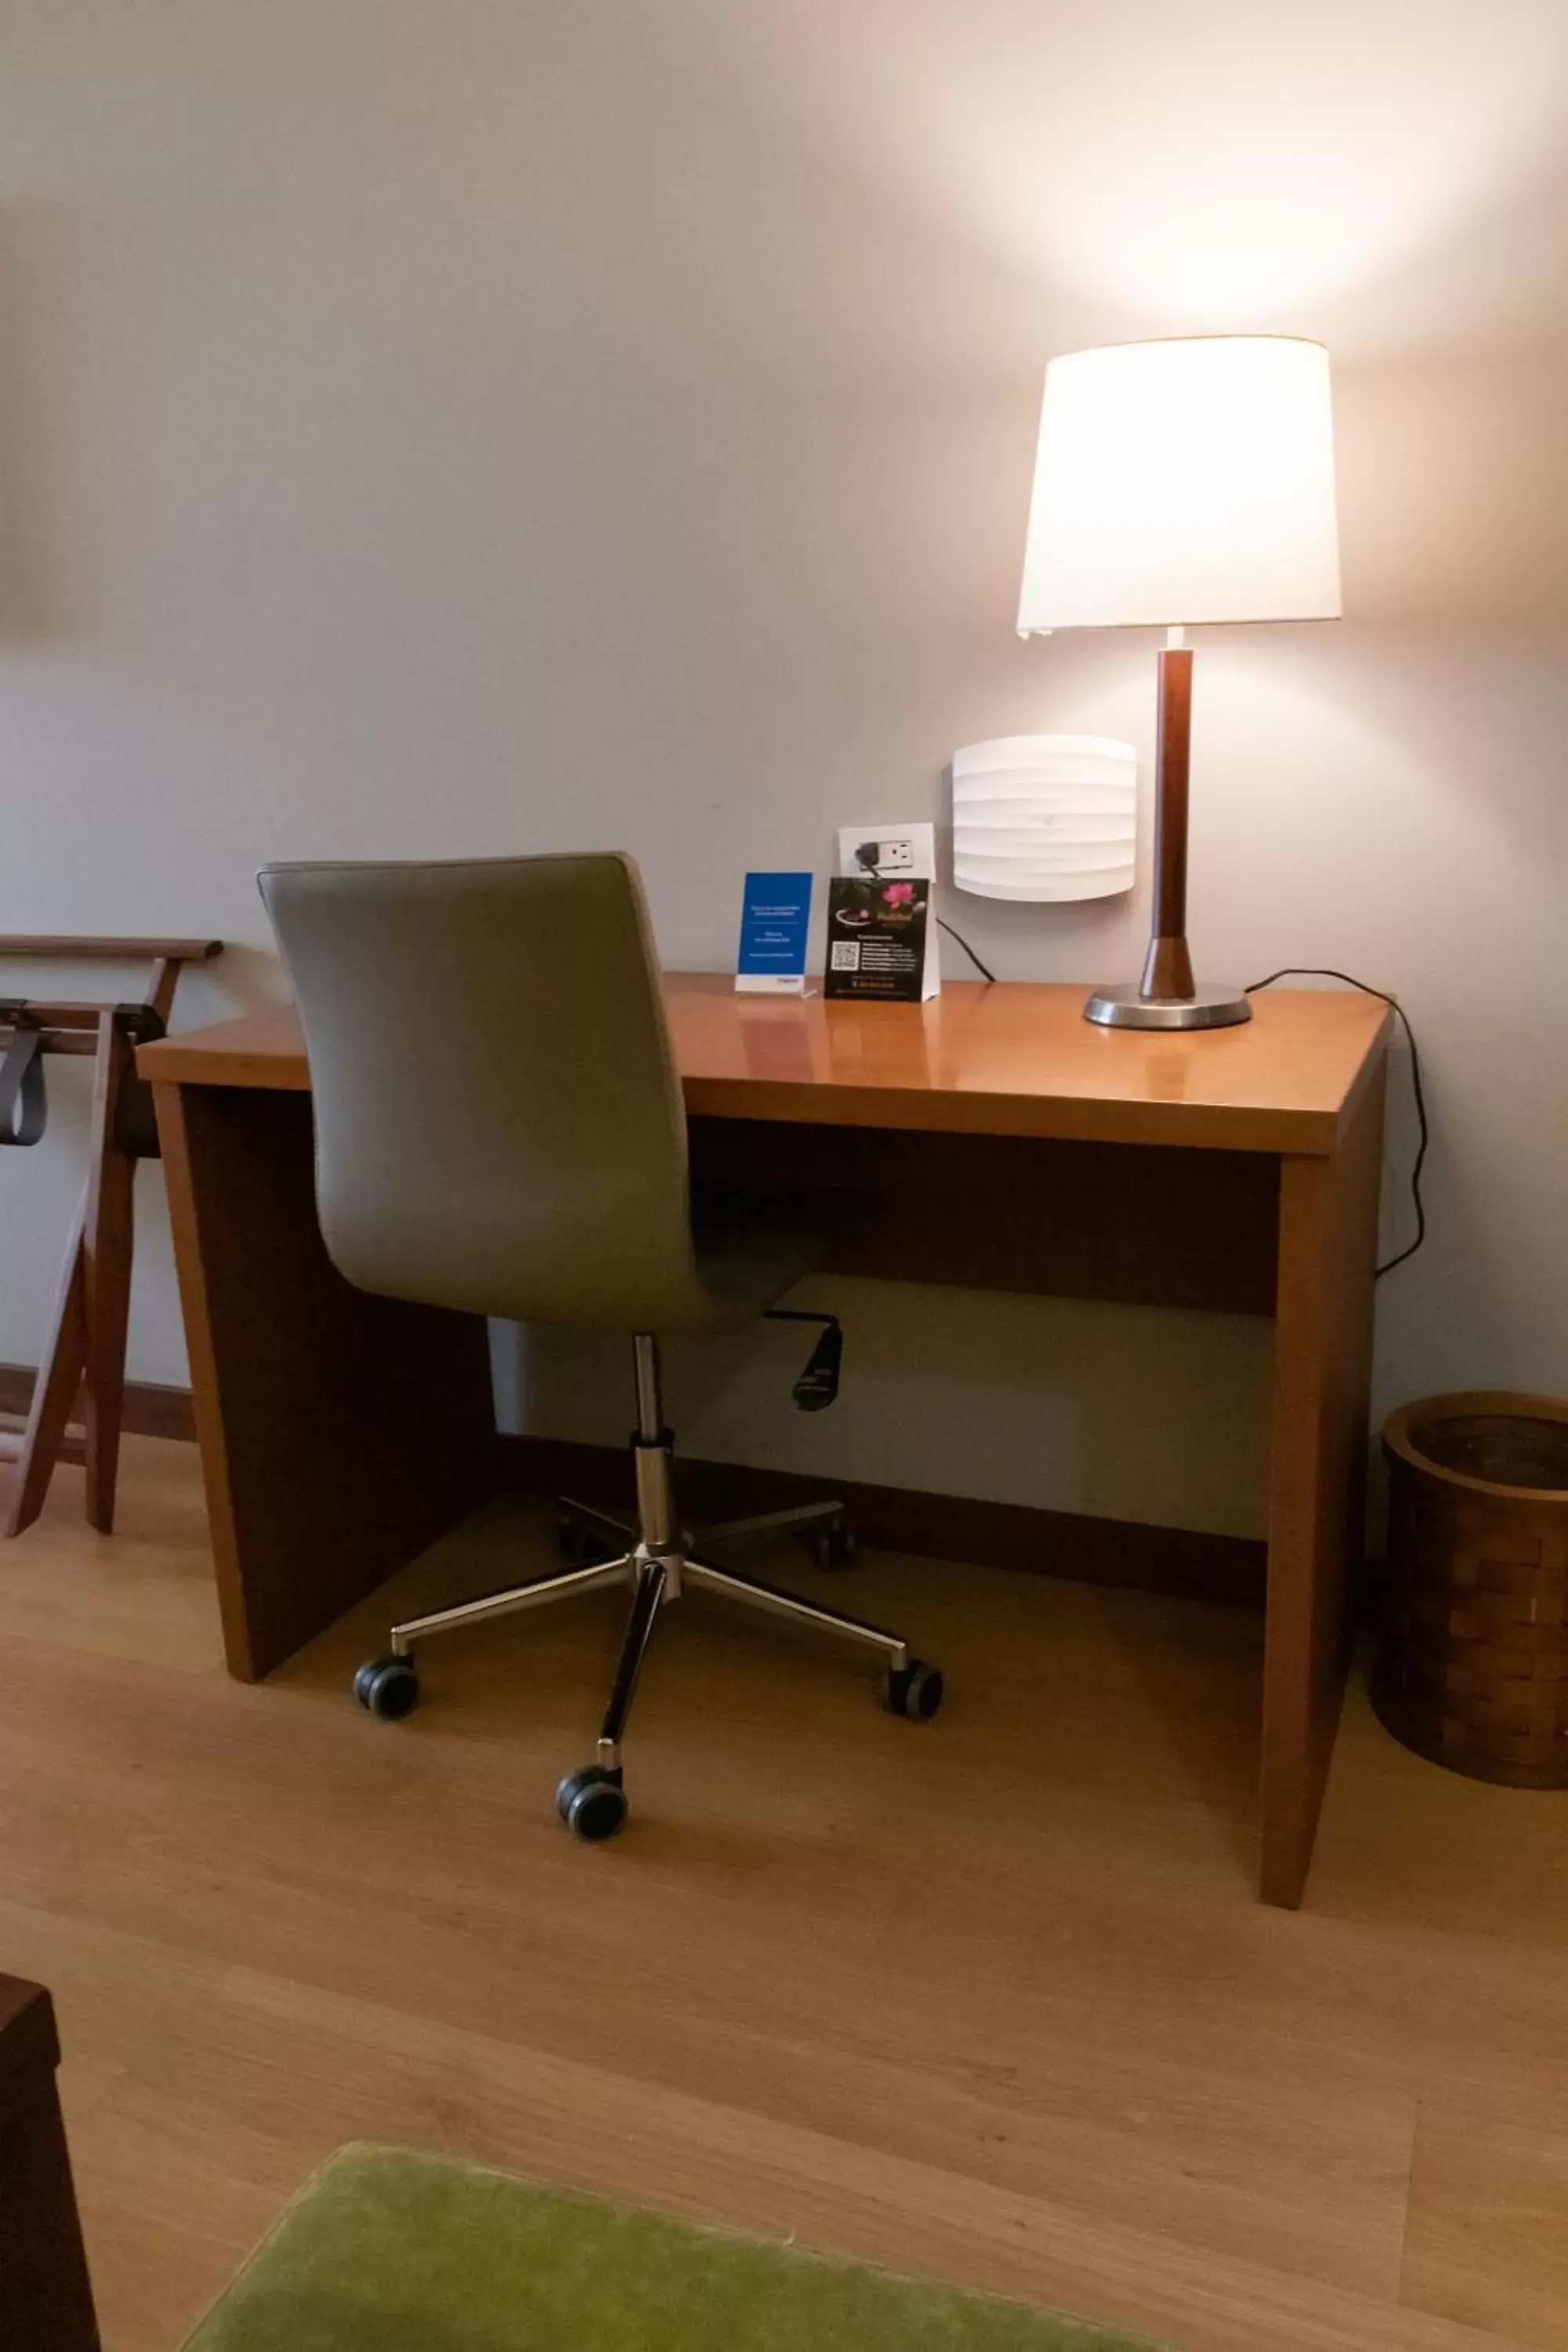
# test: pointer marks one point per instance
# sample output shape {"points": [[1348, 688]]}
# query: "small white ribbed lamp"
{"points": [[1177, 482], [1044, 817]]}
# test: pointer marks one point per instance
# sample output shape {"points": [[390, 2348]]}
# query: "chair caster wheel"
{"points": [[592, 1803], [387, 1688], [833, 1544], [913, 1691], [579, 1545]]}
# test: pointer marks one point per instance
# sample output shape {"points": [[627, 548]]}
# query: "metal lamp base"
{"points": [[1211, 1005]]}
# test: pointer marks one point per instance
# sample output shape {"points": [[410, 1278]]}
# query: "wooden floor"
{"points": [[989, 1999]]}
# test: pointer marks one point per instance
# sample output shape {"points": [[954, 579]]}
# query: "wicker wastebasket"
{"points": [[1475, 1668]]}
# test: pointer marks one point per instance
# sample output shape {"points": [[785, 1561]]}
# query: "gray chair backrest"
{"points": [[498, 1123]]}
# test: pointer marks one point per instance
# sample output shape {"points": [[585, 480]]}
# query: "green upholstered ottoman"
{"points": [[386, 2251]]}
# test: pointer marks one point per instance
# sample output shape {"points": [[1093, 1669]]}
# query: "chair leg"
{"points": [[763, 1523], [510, 1599], [595, 1520], [592, 1802], [754, 1593], [647, 1602]]}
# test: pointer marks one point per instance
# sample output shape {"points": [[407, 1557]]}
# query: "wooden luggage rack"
{"points": [[85, 1355]]}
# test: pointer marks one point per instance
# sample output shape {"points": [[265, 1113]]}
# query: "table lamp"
{"points": [[1179, 482]]}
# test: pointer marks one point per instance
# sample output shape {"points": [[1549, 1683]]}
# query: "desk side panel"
{"points": [[339, 1434], [1322, 1374]]}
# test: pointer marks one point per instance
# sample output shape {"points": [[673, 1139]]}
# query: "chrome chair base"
{"points": [[659, 1563]]}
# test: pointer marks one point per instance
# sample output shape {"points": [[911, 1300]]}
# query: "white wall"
{"points": [[445, 426]]}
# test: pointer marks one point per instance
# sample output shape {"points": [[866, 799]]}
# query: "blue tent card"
{"points": [[774, 918]]}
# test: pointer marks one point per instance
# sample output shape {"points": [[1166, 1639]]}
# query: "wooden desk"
{"points": [[1010, 1144]]}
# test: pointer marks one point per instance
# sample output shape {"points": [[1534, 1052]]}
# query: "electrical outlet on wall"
{"points": [[888, 849], [896, 856]]}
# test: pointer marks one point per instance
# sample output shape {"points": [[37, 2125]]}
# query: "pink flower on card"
{"points": [[899, 894]]}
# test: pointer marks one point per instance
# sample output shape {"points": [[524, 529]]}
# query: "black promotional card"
{"points": [[877, 938]]}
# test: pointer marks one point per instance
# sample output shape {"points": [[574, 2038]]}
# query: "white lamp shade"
{"points": [[1044, 817], [1183, 482]]}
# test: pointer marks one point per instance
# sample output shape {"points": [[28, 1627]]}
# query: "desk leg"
{"points": [[1322, 1360], [339, 1434]]}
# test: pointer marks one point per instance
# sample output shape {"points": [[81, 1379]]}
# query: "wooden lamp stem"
{"points": [[1167, 996], [1168, 969]]}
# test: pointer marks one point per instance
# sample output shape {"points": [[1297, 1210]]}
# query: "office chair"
{"points": [[500, 1130]]}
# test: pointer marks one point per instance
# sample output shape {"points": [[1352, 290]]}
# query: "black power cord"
{"points": [[982, 968], [1326, 971]]}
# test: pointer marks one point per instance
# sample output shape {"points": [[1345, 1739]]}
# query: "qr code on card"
{"points": [[846, 955]]}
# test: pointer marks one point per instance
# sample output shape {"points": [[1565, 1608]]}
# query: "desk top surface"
{"points": [[1013, 1058]]}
